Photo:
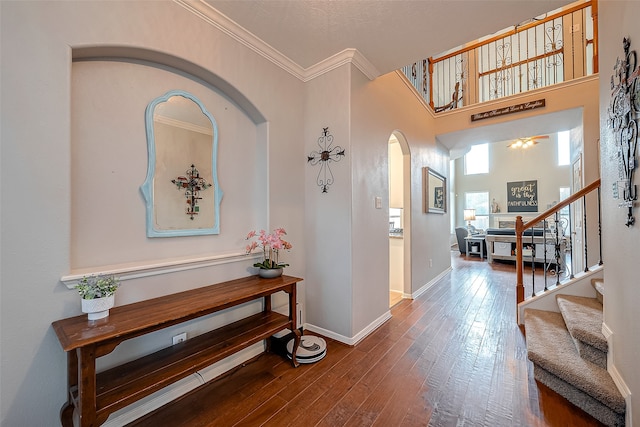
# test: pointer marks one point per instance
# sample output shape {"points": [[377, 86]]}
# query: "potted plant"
{"points": [[98, 295], [271, 244]]}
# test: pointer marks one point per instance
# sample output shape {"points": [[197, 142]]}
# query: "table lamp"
{"points": [[469, 215]]}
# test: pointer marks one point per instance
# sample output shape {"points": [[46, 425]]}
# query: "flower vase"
{"points": [[97, 308], [270, 273]]}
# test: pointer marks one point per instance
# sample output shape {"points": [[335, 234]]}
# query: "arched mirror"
{"points": [[181, 189]]}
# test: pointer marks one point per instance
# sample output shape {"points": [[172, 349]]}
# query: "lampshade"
{"points": [[469, 214]]}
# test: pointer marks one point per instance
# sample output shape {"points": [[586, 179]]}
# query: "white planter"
{"points": [[97, 308]]}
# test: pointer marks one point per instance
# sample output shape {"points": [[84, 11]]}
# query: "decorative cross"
{"points": [[326, 155], [192, 185]]}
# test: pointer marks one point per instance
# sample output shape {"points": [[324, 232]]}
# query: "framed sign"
{"points": [[532, 105], [522, 196]]}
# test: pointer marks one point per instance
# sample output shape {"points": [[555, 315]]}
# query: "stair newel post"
{"points": [[519, 269]]}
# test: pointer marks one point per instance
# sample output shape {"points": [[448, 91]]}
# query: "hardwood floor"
{"points": [[394, 298], [452, 357]]}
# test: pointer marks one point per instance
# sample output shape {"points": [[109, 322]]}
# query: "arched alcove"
{"points": [[111, 89]]}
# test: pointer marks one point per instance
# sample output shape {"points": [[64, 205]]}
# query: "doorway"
{"points": [[399, 161]]}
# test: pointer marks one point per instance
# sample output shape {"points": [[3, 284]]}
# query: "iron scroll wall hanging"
{"points": [[624, 111], [324, 157]]}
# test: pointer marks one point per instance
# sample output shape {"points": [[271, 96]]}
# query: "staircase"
{"points": [[569, 355]]}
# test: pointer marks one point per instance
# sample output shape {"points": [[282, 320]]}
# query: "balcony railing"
{"points": [[559, 47]]}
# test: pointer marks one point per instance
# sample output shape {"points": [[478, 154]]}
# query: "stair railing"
{"points": [[557, 236]]}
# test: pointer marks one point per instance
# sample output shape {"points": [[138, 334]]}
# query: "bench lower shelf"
{"points": [[151, 373]]}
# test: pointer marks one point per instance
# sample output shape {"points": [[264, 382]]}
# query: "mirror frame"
{"points": [[147, 187], [429, 177]]}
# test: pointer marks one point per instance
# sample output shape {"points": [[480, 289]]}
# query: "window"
{"points": [[477, 160], [480, 202], [564, 148]]}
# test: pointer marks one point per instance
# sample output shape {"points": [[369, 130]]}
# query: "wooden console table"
{"points": [[96, 395]]}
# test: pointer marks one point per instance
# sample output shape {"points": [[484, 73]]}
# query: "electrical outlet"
{"points": [[177, 339], [430, 262]]}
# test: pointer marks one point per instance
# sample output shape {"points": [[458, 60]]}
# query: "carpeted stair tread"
{"points": [[583, 317], [598, 285], [550, 346], [598, 410]]}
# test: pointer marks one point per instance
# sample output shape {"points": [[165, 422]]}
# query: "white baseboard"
{"points": [[432, 282], [615, 374], [177, 389], [356, 338]]}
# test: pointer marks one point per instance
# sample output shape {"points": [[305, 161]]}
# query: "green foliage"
{"points": [[270, 264], [91, 287]]}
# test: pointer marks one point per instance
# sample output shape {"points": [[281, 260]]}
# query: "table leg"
{"points": [[66, 412], [86, 386], [293, 312]]}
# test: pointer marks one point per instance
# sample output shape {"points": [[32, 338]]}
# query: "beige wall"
{"points": [[328, 215], [337, 236], [379, 108], [42, 214], [350, 233], [538, 163], [619, 19], [274, 116]]}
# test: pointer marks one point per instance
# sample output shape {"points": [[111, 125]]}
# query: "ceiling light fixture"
{"points": [[525, 143]]}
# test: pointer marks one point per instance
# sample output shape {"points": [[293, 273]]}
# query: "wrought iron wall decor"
{"points": [[324, 157], [624, 111], [192, 184]]}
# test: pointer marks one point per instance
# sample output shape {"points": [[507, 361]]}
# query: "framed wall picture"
{"points": [[434, 198]]}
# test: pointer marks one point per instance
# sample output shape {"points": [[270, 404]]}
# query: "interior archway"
{"points": [[399, 218]]}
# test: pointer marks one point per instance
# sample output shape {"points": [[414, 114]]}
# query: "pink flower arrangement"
{"points": [[271, 245]]}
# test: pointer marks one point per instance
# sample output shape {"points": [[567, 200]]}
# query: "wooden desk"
{"points": [[96, 395]]}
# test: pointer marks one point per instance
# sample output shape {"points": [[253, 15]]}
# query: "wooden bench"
{"points": [[97, 395]]}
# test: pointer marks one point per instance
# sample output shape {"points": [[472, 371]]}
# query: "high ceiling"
{"points": [[389, 33]]}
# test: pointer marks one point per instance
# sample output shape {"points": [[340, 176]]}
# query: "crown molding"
{"points": [[223, 23], [347, 56], [238, 33]]}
